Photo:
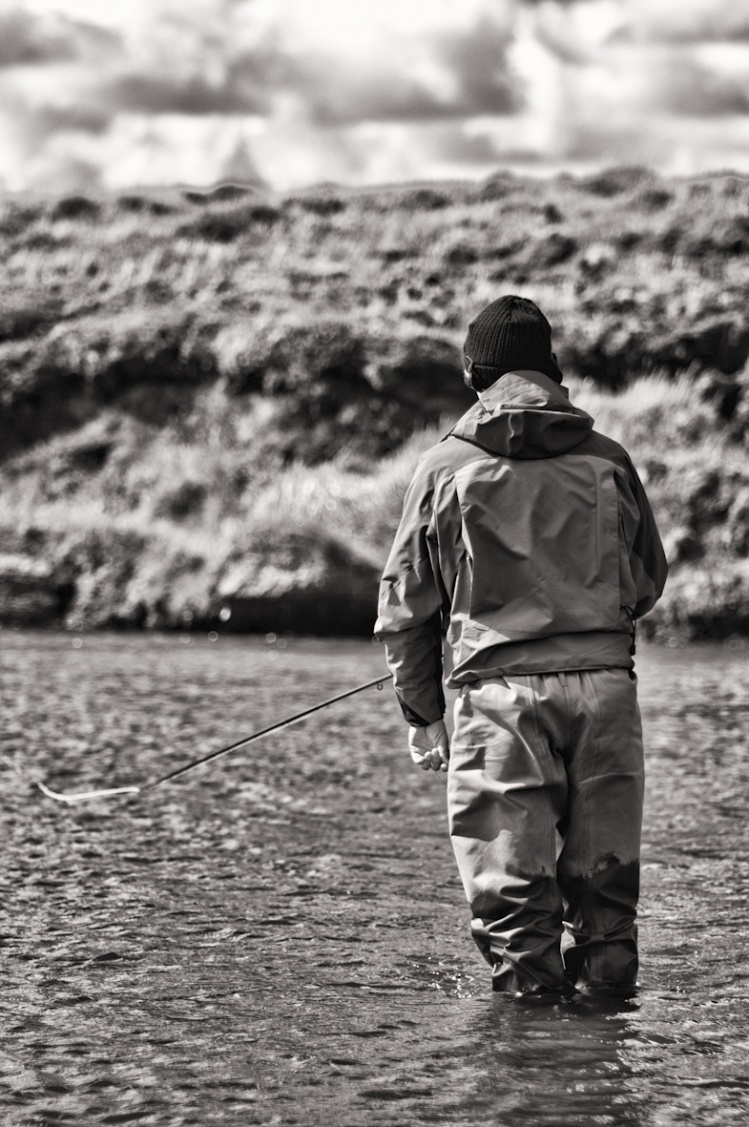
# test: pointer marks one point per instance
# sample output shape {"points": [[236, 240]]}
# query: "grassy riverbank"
{"points": [[213, 401]]}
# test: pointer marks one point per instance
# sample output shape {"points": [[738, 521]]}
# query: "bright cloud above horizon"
{"points": [[290, 92]]}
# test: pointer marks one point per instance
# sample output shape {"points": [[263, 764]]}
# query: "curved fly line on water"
{"points": [[109, 792]]}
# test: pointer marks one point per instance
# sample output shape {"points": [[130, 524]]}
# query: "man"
{"points": [[528, 536]]}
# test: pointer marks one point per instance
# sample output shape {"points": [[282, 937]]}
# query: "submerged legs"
{"points": [[538, 761]]}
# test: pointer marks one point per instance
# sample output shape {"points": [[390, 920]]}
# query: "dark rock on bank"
{"points": [[21, 316], [104, 579], [76, 207], [337, 386], [702, 604], [30, 592], [299, 586], [149, 362], [627, 345]]}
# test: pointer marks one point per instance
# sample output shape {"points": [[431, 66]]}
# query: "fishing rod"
{"points": [[82, 796]]}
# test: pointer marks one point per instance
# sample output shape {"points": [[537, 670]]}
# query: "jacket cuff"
{"points": [[415, 719]]}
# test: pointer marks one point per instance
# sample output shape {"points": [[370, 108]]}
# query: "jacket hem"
{"points": [[566, 653]]}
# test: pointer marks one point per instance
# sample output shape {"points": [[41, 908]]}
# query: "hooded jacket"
{"points": [[527, 537]]}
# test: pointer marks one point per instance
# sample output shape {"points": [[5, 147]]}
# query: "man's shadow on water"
{"points": [[560, 1063]]}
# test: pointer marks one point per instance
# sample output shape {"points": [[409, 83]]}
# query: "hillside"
{"points": [[210, 403]]}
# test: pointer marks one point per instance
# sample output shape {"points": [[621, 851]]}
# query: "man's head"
{"points": [[510, 334]]}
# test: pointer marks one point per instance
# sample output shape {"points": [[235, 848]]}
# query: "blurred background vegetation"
{"points": [[211, 402]]}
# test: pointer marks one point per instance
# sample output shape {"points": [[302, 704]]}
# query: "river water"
{"points": [[280, 937]]}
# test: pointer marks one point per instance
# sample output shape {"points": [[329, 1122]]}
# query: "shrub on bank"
{"points": [[215, 375], [170, 532]]}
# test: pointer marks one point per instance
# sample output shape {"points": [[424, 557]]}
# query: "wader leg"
{"points": [[599, 866], [506, 793]]}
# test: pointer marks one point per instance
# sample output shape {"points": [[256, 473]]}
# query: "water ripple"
{"points": [[281, 937]]}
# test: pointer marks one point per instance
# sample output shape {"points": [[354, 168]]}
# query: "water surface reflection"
{"points": [[559, 1064], [282, 938]]}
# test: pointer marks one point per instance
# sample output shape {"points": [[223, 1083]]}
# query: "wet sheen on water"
{"points": [[281, 937]]}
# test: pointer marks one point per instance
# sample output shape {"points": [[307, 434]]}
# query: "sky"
{"points": [[123, 93]]}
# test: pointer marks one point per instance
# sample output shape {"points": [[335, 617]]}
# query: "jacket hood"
{"points": [[524, 415]]}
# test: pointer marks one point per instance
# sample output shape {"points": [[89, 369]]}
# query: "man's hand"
{"points": [[430, 746]]}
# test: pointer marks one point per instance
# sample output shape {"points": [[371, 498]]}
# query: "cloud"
{"points": [[79, 118], [689, 87], [406, 74], [451, 143], [193, 90], [685, 21], [23, 41], [478, 61], [337, 93], [27, 39], [191, 95]]}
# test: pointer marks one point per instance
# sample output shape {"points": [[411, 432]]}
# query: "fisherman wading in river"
{"points": [[527, 536]]}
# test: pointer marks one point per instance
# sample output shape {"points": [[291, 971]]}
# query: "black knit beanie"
{"points": [[510, 333]]}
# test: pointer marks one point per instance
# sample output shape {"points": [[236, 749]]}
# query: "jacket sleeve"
{"points": [[410, 608], [647, 558]]}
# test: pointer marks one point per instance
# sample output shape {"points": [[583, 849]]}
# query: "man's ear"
{"points": [[468, 373]]}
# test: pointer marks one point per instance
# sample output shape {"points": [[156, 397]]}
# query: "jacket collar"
{"points": [[512, 387]]}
